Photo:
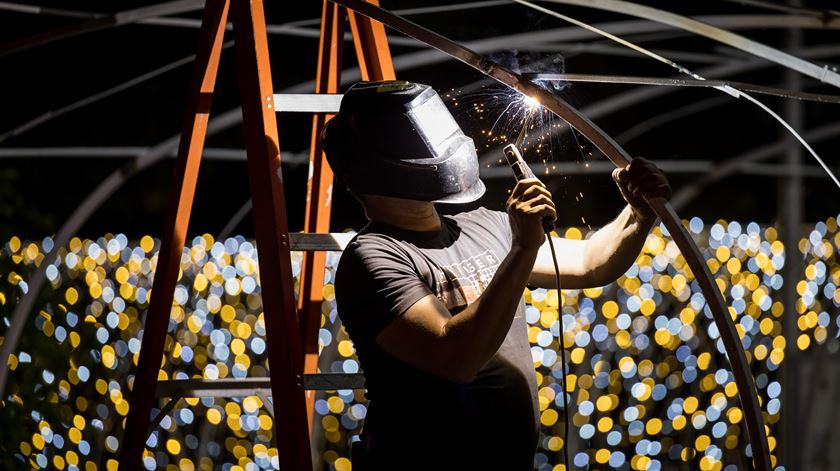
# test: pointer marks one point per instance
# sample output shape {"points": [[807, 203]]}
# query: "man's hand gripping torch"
{"points": [[521, 171]]}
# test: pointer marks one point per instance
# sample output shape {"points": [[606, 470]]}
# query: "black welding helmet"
{"points": [[398, 139]]}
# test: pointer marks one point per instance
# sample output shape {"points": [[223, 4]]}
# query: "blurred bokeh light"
{"points": [[649, 384]]}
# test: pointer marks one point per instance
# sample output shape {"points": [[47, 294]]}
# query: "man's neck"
{"points": [[411, 215]]}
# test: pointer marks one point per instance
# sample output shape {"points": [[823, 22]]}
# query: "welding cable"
{"points": [[724, 88], [566, 394]]}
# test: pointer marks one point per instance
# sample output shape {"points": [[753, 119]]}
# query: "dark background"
{"points": [[37, 194]]}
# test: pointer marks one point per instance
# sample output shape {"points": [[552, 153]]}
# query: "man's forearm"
{"points": [[614, 247], [480, 329]]}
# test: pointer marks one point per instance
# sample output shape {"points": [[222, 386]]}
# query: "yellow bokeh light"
{"points": [[549, 417], [173, 446]]}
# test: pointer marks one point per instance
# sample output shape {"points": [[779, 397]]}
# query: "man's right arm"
{"points": [[427, 337]]}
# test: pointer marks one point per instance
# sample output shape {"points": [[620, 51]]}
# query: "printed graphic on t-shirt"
{"points": [[463, 282]]}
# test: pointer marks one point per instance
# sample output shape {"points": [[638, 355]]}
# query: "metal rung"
{"points": [[307, 103], [254, 386], [312, 242]]}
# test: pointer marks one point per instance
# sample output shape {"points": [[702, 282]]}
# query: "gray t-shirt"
{"points": [[416, 418]]}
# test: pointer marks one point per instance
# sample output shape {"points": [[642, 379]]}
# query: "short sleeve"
{"points": [[376, 282]]}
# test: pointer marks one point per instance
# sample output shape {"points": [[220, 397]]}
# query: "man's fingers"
{"points": [[640, 164], [649, 182], [534, 190], [538, 200], [661, 191], [526, 190], [523, 185], [544, 210]]}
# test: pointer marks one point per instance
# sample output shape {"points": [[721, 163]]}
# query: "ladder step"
{"points": [[313, 242], [306, 102], [233, 387]]}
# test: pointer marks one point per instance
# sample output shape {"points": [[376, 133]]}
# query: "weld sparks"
{"points": [[509, 116]]}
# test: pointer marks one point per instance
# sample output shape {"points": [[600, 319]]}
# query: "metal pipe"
{"points": [[720, 35], [791, 203], [118, 19], [677, 82]]}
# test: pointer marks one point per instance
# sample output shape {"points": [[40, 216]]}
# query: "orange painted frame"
{"points": [[175, 226], [271, 225], [374, 58]]}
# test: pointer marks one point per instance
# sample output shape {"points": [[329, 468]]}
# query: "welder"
{"points": [[434, 303]]}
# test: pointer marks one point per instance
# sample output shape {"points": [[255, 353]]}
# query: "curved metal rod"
{"points": [[83, 211], [151, 15], [234, 221], [52, 114], [737, 41], [714, 298], [49, 115], [117, 19], [424, 58], [824, 15], [731, 166], [679, 82], [37, 10]]}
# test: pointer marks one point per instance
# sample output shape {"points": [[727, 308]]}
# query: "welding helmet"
{"points": [[398, 139]]}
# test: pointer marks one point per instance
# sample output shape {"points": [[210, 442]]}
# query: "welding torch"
{"points": [[521, 171]]}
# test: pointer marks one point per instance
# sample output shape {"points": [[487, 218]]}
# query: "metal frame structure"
{"points": [[285, 355]]}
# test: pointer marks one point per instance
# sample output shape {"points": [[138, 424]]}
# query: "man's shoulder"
{"points": [[480, 212], [370, 241], [370, 248], [488, 218]]}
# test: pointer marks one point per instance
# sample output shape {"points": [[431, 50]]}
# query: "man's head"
{"points": [[398, 139]]}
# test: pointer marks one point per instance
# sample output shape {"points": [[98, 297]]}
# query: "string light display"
{"points": [[649, 386]]}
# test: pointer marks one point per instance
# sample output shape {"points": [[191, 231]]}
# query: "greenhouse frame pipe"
{"points": [[301, 158], [81, 214], [412, 60], [822, 14], [149, 15], [720, 35], [686, 83], [117, 19], [52, 114]]}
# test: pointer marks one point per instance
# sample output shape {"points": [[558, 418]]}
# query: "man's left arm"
{"points": [[606, 255]]}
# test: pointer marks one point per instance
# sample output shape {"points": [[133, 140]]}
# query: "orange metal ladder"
{"points": [[293, 359]]}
